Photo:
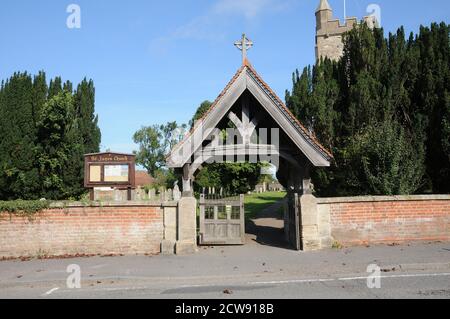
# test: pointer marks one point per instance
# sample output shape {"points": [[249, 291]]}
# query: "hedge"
{"points": [[23, 206]]}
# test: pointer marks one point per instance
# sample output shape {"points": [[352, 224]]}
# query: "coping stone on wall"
{"points": [[361, 199], [113, 204]]}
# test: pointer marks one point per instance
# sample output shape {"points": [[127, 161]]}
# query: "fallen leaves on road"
{"points": [[7, 258], [66, 256]]}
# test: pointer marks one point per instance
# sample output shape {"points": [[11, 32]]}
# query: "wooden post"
{"points": [[202, 217], [306, 180], [187, 182], [242, 209]]}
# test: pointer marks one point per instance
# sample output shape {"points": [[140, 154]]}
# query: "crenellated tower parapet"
{"points": [[329, 31]]}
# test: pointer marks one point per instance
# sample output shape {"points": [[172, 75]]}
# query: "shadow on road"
{"points": [[267, 228]]}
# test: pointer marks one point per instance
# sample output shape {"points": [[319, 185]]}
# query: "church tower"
{"points": [[329, 31], [324, 13]]}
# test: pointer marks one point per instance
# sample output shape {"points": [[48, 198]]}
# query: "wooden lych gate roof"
{"points": [[246, 78]]}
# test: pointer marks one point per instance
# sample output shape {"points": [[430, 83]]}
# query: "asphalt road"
{"points": [[251, 271]]}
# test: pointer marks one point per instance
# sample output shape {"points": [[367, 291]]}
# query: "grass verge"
{"points": [[254, 203]]}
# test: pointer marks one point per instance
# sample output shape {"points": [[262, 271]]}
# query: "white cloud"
{"points": [[248, 8], [210, 25]]}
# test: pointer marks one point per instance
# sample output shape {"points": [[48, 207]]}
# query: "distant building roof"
{"points": [[143, 178]]}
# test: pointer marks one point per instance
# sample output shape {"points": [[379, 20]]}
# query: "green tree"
{"points": [[155, 143], [53, 127], [44, 137], [172, 134], [202, 109], [55, 87], [240, 178], [18, 175], [40, 91], [432, 90], [88, 120], [209, 176], [299, 101], [385, 100], [73, 173], [234, 178], [151, 151], [381, 160], [313, 100]]}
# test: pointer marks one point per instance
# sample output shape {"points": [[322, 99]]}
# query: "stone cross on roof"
{"points": [[244, 44]]}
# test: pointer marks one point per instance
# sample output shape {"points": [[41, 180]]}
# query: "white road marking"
{"points": [[294, 281], [98, 266], [345, 279], [48, 293]]}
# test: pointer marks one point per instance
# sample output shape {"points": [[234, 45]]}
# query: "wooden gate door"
{"points": [[222, 220], [292, 221]]}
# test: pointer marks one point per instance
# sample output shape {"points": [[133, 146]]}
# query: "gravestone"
{"points": [[162, 194], [176, 193], [117, 195], [139, 193]]}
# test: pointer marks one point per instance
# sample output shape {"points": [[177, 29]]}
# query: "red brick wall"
{"points": [[390, 221], [83, 230]]}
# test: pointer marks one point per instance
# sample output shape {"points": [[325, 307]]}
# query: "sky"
{"points": [[155, 61]]}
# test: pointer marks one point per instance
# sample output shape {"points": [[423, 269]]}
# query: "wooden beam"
{"points": [[236, 121], [224, 104], [187, 181], [299, 140]]}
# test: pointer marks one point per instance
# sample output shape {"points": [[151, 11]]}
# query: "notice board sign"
{"points": [[109, 170]]}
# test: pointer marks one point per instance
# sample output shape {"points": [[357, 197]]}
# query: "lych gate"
{"points": [[258, 128]]}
